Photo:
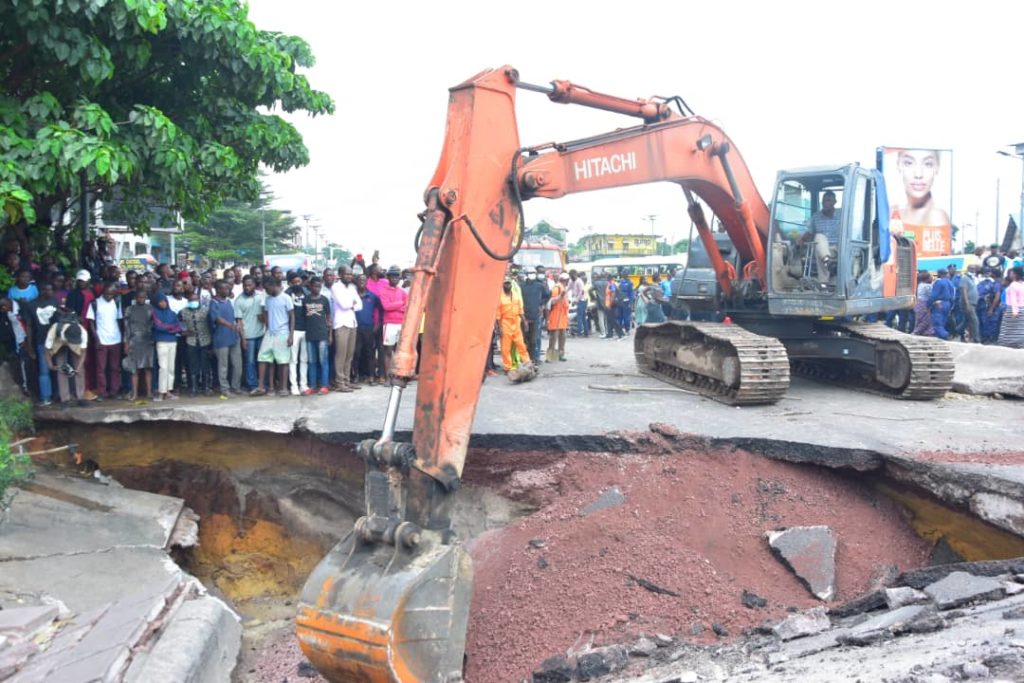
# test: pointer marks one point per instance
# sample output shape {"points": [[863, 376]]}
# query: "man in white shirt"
{"points": [[104, 320], [345, 301]]}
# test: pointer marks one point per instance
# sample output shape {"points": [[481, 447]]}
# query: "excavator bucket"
{"points": [[374, 612]]}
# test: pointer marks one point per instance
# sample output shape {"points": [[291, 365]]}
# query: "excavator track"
{"points": [[723, 362], [907, 367]]}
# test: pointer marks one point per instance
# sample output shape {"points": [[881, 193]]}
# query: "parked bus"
{"points": [[656, 268], [547, 254]]}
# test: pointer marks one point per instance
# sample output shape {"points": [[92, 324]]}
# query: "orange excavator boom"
{"points": [[391, 601]]}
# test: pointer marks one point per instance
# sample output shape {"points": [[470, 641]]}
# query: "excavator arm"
{"points": [[391, 601]]}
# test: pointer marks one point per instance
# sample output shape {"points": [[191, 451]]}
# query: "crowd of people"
{"points": [[981, 305], [153, 335], [534, 302]]}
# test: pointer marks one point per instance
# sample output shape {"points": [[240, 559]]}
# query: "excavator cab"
{"points": [[830, 251]]}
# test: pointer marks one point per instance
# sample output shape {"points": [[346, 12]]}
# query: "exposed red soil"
{"points": [[693, 522]]}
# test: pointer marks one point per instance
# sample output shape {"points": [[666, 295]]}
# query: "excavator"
{"points": [[390, 602]]}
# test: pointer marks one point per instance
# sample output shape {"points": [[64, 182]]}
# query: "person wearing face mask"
{"points": [[535, 296], [198, 344], [510, 321]]}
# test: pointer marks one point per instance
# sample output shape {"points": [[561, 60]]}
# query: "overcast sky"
{"points": [[793, 84]]}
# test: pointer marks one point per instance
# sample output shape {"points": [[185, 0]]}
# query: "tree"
{"points": [[234, 232], [168, 103], [681, 247]]}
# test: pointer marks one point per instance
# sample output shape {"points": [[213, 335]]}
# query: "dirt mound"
{"points": [[692, 523]]}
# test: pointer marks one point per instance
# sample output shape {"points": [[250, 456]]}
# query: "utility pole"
{"points": [[1018, 154], [651, 217]]}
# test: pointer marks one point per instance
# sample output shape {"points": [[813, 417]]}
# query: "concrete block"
{"points": [[985, 370], [904, 595], [810, 553], [199, 644], [803, 624], [961, 588]]}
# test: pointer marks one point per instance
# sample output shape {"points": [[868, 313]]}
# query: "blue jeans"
{"points": [[319, 364], [45, 380], [252, 350], [582, 324]]}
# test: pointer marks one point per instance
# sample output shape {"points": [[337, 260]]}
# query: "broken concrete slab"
{"points": [[985, 369], [961, 588], [810, 553], [882, 626], [23, 622], [609, 498], [864, 603], [904, 595], [919, 578], [200, 644], [805, 623], [89, 580], [60, 515]]}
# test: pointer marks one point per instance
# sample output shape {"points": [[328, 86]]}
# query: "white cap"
{"points": [[83, 275]]}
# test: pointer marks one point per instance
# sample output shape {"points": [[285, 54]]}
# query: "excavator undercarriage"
{"points": [[736, 366]]}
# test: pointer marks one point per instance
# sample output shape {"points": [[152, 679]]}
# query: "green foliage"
{"points": [[15, 418], [969, 247], [234, 232], [168, 103], [681, 247]]}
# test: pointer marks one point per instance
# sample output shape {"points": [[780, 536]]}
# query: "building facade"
{"points": [[608, 245]]}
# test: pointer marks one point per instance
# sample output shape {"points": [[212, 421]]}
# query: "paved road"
{"points": [[568, 402]]}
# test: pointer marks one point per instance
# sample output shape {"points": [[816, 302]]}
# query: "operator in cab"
{"points": [[823, 228]]}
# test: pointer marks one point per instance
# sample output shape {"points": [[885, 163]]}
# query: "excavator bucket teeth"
{"points": [[374, 613]]}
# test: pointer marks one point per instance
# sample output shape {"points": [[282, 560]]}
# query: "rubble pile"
{"points": [[630, 550], [936, 625]]}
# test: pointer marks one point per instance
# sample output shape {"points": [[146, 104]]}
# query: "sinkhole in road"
{"points": [[551, 572]]}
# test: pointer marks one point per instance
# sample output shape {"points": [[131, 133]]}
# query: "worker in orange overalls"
{"points": [[510, 320], [558, 319]]}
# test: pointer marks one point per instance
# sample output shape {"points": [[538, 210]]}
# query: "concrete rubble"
{"points": [[986, 370], [966, 628], [810, 553], [89, 591]]}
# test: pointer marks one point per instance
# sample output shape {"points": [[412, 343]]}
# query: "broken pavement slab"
{"points": [[102, 551], [961, 588], [810, 553], [802, 624], [984, 370], [62, 515]]}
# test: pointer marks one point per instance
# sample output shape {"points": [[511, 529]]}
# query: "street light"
{"points": [[651, 217], [1018, 153]]}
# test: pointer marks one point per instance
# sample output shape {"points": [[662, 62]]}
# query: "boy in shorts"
{"points": [[279, 317]]}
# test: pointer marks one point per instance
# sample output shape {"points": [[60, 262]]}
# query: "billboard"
{"points": [[919, 183]]}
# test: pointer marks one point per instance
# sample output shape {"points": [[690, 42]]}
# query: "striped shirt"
{"points": [[823, 225]]}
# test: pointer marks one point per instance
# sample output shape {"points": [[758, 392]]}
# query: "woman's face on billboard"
{"points": [[918, 168]]}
